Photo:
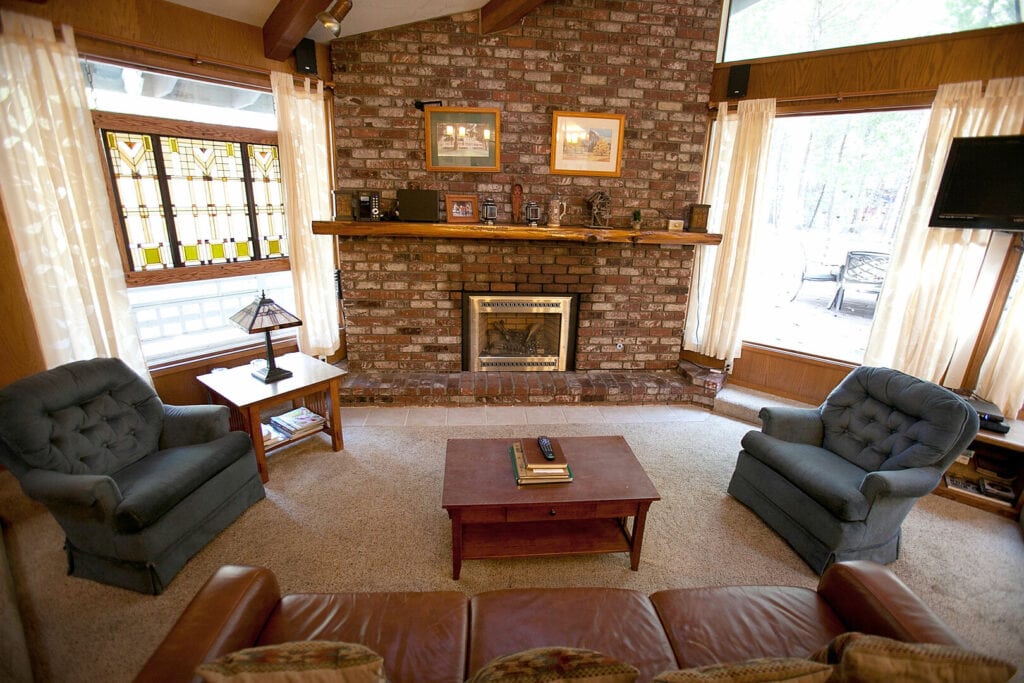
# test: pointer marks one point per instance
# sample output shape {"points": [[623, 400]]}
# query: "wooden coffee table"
{"points": [[494, 517]]}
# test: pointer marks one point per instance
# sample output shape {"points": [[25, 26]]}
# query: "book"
{"points": [[535, 459], [524, 476], [996, 489], [272, 436], [972, 488], [300, 421]]}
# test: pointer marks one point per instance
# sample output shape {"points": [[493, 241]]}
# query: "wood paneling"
{"points": [[903, 73], [786, 373], [18, 341], [498, 15]]}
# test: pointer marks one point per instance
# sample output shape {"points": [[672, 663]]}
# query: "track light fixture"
{"points": [[331, 19]]}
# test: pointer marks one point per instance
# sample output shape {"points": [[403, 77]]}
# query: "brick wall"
{"points": [[649, 60], [403, 298]]}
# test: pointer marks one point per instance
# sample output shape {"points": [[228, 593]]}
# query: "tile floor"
{"points": [[516, 415]]}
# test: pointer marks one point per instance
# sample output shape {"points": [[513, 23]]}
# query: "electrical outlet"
{"points": [[620, 346]]}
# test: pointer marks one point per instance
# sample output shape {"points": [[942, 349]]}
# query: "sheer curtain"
{"points": [[1002, 373], [927, 318], [738, 158], [56, 200], [305, 172]]}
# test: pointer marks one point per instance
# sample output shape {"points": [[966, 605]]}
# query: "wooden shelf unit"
{"points": [[480, 231], [1008, 448]]}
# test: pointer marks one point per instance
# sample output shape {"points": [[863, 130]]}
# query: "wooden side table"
{"points": [[313, 384]]}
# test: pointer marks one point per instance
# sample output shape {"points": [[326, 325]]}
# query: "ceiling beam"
{"points": [[288, 24], [498, 15]]}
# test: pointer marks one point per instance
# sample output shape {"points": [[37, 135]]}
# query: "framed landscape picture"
{"points": [[587, 144], [463, 139]]}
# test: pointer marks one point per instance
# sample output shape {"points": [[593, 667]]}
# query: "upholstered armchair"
{"points": [[837, 481], [138, 486]]}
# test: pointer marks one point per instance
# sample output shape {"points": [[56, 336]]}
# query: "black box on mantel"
{"points": [[419, 206]]}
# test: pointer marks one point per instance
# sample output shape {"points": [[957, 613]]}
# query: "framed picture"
{"points": [[461, 208], [463, 139], [587, 144]]}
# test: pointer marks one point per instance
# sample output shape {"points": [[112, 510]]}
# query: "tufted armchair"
{"points": [[837, 481], [139, 487]]}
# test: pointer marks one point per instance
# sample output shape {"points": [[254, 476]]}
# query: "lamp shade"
{"points": [[263, 315]]}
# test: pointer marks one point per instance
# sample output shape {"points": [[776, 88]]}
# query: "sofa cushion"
{"points": [[746, 622], [421, 636], [831, 481], [863, 657], [556, 665], [616, 622], [155, 484], [313, 661], [766, 670]]}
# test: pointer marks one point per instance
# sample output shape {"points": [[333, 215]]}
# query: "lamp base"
{"points": [[270, 375]]}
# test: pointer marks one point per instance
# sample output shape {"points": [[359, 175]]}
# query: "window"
{"points": [[835, 189], [196, 188], [766, 28], [186, 202]]}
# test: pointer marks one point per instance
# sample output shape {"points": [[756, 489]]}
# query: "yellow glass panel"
{"points": [[191, 252], [217, 250], [273, 246], [151, 255], [242, 249]]}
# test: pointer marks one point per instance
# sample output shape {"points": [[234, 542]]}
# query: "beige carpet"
{"points": [[370, 518]]}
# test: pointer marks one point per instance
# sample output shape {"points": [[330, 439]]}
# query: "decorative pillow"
{"points": [[556, 665], [862, 657], [314, 661], [766, 670]]}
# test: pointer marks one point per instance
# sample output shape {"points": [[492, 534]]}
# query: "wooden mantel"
{"points": [[477, 231]]}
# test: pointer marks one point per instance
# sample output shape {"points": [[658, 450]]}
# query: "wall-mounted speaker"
{"points": [[738, 77], [305, 57]]}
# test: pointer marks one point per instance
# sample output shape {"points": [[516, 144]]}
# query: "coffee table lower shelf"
{"points": [[539, 539]]}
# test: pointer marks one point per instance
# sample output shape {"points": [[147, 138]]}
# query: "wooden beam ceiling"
{"points": [[288, 24], [498, 15]]}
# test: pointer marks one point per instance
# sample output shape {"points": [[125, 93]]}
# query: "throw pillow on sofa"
{"points": [[765, 670], [556, 665], [862, 657], [312, 661]]}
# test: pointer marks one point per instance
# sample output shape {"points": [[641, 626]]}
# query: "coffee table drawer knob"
{"points": [[552, 512]]}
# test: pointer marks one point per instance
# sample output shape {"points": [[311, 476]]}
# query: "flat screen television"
{"points": [[982, 185]]}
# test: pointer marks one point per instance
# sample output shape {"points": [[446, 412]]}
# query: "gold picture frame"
{"points": [[586, 143], [461, 208], [463, 139]]}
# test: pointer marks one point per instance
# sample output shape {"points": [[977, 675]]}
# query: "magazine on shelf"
{"points": [[299, 421], [272, 436]]}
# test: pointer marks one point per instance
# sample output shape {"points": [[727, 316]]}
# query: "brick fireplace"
{"points": [[519, 332], [403, 298]]}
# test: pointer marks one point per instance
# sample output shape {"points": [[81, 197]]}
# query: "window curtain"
{"points": [[738, 157], [928, 315], [302, 141], [56, 200], [1002, 373]]}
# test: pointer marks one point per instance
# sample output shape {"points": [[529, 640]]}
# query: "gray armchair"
{"points": [[138, 487], [837, 481]]}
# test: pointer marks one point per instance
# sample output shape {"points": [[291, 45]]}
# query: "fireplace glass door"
{"points": [[519, 332]]}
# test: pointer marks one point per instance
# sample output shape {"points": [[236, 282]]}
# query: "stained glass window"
{"points": [[191, 202]]}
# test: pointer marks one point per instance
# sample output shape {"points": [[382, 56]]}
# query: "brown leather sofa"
{"points": [[447, 636]]}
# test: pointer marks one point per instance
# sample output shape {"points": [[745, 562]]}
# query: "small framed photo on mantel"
{"points": [[461, 208]]}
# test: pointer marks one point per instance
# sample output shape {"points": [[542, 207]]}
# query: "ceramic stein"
{"points": [[556, 211]]}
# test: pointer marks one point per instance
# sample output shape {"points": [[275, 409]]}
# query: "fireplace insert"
{"points": [[519, 332]]}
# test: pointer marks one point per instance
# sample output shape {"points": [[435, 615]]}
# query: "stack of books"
{"points": [[272, 436], [299, 422], [530, 467]]}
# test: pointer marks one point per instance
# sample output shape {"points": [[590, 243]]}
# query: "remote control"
{"points": [[545, 447]]}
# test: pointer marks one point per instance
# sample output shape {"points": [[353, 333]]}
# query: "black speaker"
{"points": [[738, 77], [305, 57]]}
